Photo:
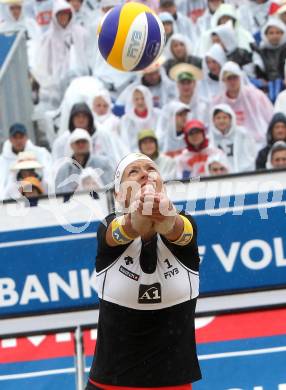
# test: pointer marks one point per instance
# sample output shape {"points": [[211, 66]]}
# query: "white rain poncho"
{"points": [[185, 26], [79, 90], [101, 142], [167, 167], [9, 23], [62, 55], [280, 103], [269, 56], [24, 23], [40, 11], [220, 158], [238, 144], [181, 38], [244, 37], [168, 139], [198, 106], [11, 190], [252, 108], [8, 158], [209, 86], [277, 145], [131, 124], [191, 161], [253, 15], [191, 8], [162, 93], [109, 124]]}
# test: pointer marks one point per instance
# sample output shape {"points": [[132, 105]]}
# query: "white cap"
{"points": [[79, 134], [130, 158]]}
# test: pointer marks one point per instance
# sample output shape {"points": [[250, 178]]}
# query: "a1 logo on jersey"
{"points": [[150, 293]]}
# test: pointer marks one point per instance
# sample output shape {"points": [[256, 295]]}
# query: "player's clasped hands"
{"points": [[152, 209]]}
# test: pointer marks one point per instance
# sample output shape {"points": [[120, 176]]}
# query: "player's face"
{"points": [[222, 122], [136, 176]]}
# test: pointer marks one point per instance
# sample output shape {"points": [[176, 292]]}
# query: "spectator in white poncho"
{"points": [[19, 142], [140, 114], [154, 77], [236, 142], [25, 167], [183, 24], [213, 62], [170, 127], [62, 54], [223, 14], [178, 50], [217, 164], [276, 158], [252, 108], [204, 21], [187, 77], [107, 123], [148, 145]]}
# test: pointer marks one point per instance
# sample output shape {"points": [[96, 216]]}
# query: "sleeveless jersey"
{"points": [[147, 291]]}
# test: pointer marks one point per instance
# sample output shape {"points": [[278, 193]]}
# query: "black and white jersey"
{"points": [[147, 294], [126, 282]]}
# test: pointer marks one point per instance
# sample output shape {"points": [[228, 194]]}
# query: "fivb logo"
{"points": [[150, 293]]}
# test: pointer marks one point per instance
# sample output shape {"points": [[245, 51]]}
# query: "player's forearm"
{"points": [[176, 230]]}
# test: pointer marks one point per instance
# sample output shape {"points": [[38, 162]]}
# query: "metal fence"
{"points": [[15, 91]]}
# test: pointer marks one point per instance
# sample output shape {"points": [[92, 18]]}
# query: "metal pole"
{"points": [[79, 356]]}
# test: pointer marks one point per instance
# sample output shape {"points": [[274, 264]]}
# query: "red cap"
{"points": [[194, 124]]}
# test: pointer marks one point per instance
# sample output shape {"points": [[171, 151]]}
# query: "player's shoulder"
{"points": [[104, 223]]}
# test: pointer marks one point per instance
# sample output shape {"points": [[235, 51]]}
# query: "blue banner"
{"points": [[50, 269]]}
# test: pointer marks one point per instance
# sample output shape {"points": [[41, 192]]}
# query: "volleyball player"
{"points": [[147, 281]]}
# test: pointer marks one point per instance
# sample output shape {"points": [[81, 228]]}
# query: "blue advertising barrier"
{"points": [[47, 268]]}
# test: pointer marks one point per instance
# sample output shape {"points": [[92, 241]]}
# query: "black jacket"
{"points": [[262, 154]]}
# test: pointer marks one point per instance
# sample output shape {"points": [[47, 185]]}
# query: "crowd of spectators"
{"points": [[214, 103]]}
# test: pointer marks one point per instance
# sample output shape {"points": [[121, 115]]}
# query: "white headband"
{"points": [[130, 158]]}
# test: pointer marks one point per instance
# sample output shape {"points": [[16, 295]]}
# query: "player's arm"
{"points": [[174, 227], [120, 231]]}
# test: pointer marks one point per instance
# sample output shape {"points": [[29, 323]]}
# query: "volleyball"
{"points": [[131, 37]]}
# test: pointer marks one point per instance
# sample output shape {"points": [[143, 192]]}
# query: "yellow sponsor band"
{"points": [[187, 235], [118, 233]]}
